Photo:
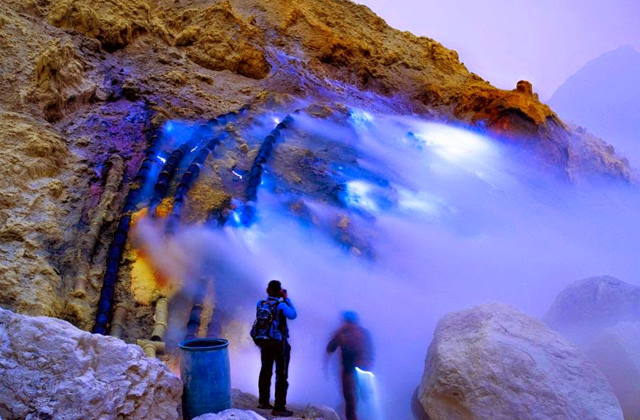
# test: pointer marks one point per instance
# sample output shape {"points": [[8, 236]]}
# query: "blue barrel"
{"points": [[204, 368]]}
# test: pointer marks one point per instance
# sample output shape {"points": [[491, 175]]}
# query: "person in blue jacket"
{"points": [[271, 334]]}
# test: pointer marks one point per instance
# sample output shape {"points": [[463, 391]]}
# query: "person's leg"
{"points": [[349, 391], [282, 375], [268, 356]]}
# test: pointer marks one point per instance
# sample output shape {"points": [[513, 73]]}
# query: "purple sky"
{"points": [[543, 41]]}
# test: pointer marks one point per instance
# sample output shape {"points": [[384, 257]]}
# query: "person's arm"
{"points": [[287, 309], [334, 343]]}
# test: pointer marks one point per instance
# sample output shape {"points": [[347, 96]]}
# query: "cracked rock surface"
{"points": [[52, 370], [494, 362], [602, 316], [85, 79]]}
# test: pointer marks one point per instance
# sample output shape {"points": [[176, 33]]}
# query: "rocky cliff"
{"points": [[86, 84]]}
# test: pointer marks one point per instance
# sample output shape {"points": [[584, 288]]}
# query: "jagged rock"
{"points": [[616, 351], [417, 410], [245, 401], [50, 369], [602, 316], [60, 80], [194, 60], [494, 362], [114, 23], [33, 165], [587, 306], [345, 42], [232, 414], [524, 87], [218, 38]]}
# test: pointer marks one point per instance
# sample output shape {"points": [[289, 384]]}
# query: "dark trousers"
{"points": [[280, 353], [350, 394]]}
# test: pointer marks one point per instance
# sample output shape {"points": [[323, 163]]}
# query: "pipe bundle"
{"points": [[255, 174]]}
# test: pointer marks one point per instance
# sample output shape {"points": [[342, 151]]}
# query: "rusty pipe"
{"points": [[151, 348], [160, 318], [118, 321], [101, 213]]}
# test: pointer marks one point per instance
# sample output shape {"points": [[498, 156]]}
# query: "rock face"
{"points": [[616, 351], [602, 316], [588, 306], [493, 362], [88, 79], [33, 194], [51, 370]]}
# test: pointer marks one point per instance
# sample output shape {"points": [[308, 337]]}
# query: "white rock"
{"points": [[51, 370], [232, 414], [616, 351], [602, 316], [588, 306], [493, 362]]}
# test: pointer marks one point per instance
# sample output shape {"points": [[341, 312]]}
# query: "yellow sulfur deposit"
{"points": [[146, 284]]}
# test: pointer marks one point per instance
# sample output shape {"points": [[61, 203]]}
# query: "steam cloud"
{"points": [[453, 219]]}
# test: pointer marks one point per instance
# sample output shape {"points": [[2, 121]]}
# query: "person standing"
{"points": [[356, 350], [270, 332]]}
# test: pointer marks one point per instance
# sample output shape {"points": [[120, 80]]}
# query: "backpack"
{"points": [[267, 324]]}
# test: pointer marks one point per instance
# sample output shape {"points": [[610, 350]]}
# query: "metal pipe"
{"points": [[193, 326], [133, 198], [160, 318], [119, 240], [151, 348], [255, 174], [101, 213], [118, 321]]}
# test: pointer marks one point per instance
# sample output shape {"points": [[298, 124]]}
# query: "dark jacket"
{"points": [[355, 345]]}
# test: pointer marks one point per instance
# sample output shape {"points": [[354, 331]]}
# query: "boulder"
{"points": [[616, 351], [589, 306], [493, 362], [232, 414], [51, 370], [602, 316]]}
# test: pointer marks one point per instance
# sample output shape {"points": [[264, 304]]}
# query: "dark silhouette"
{"points": [[271, 333], [357, 352]]}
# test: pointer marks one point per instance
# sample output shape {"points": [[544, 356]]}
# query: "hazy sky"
{"points": [[543, 41]]}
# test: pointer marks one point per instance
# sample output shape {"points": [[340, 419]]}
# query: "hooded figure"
{"points": [[356, 350]]}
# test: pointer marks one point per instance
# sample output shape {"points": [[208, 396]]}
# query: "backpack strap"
{"points": [[273, 304]]}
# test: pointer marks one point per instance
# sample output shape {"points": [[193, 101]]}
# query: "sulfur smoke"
{"points": [[427, 219]]}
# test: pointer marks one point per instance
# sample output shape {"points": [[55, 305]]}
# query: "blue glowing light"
{"points": [[360, 194], [360, 117], [168, 127], [365, 372], [369, 400], [236, 174], [161, 159], [454, 144]]}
